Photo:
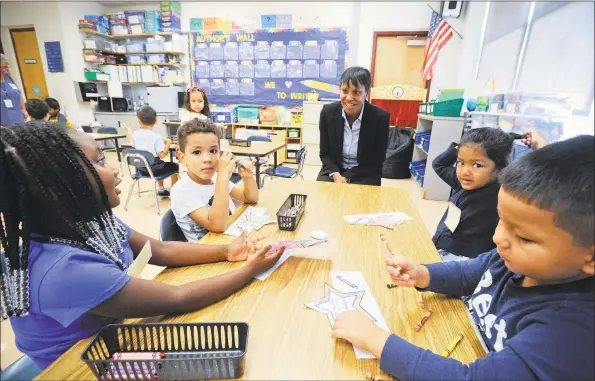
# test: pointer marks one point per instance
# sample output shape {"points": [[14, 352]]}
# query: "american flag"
{"points": [[440, 33]]}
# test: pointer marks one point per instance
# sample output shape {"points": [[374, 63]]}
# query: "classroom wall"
{"points": [[53, 21]]}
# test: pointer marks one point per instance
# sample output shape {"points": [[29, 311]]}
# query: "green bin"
{"points": [[449, 108]]}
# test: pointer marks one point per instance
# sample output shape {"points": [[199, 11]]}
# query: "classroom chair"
{"points": [[109, 145], [142, 159], [287, 172], [87, 129], [169, 230], [24, 369], [257, 138]]}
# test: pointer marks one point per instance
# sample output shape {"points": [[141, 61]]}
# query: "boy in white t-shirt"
{"points": [[148, 140], [202, 201]]}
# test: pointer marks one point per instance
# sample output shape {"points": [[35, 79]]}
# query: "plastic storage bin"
{"points": [[136, 28], [223, 115], [156, 58], [152, 23], [154, 46], [135, 47], [417, 136], [187, 354], [291, 212], [418, 170], [452, 107], [248, 114], [135, 17], [293, 133], [136, 59], [173, 6]]}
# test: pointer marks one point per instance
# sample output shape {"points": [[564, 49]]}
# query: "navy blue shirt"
{"points": [[10, 103], [479, 214], [533, 333]]}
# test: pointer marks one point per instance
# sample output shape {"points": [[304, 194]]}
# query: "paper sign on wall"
{"points": [[268, 21], [196, 24], [284, 21], [209, 23]]}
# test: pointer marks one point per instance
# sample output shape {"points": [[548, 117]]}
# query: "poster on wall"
{"points": [[268, 66]]}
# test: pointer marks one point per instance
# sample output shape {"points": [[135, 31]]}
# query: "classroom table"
{"points": [[286, 339], [256, 149], [115, 137]]}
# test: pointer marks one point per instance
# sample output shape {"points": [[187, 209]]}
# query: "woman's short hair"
{"points": [[357, 76]]}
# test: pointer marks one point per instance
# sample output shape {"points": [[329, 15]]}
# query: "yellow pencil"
{"points": [[322, 86], [452, 345]]}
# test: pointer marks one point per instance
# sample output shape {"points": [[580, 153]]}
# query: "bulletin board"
{"points": [[268, 66]]}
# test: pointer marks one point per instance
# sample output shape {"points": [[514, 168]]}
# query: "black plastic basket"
{"points": [[192, 351], [289, 223]]}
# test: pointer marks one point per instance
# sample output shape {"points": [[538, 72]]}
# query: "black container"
{"points": [[192, 351], [289, 223]]}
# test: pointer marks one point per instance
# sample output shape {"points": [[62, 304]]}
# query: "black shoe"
{"points": [[163, 193]]}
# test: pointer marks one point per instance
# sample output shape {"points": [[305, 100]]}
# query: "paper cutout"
{"points": [[368, 303], [388, 220], [453, 217], [252, 218], [141, 261], [335, 302]]}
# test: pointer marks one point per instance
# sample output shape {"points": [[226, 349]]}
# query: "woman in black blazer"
{"points": [[353, 133]]}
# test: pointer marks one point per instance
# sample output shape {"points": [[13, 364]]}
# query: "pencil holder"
{"points": [[182, 351], [291, 212]]}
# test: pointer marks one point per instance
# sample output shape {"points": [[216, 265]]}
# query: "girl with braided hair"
{"points": [[65, 253]]}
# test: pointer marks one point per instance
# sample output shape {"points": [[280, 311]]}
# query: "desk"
{"points": [[288, 340], [115, 137], [257, 150]]}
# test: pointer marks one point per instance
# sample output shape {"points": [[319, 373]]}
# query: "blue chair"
{"points": [[139, 159], [287, 172], [24, 369], [108, 144], [87, 129], [169, 230]]}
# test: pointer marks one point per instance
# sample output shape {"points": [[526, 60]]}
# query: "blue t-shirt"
{"points": [[65, 284], [531, 333], [10, 95]]}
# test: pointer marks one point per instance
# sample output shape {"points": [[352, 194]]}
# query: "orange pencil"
{"points": [[423, 320]]}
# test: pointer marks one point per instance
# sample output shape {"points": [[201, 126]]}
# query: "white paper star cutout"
{"points": [[336, 302]]}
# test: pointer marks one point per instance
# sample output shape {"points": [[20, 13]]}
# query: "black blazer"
{"points": [[373, 139]]}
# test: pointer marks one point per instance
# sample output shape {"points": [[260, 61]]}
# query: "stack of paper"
{"points": [[388, 220], [252, 218]]}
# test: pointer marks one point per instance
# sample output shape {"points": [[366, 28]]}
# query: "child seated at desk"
{"points": [[37, 109], [66, 255], [467, 227], [202, 201], [196, 105], [532, 298], [55, 115], [148, 140]]}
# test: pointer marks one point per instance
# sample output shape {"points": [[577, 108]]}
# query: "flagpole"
{"points": [[453, 29]]}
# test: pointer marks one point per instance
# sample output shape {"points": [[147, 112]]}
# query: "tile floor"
{"points": [[141, 215]]}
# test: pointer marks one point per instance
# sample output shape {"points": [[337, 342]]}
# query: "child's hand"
{"points": [[535, 140], [226, 165], [167, 141], [245, 168], [405, 273], [260, 262], [241, 248], [359, 330]]}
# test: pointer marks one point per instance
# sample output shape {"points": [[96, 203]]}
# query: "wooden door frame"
{"points": [[395, 33], [14, 47]]}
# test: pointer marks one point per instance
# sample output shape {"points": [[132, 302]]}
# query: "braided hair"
{"points": [[49, 192]]}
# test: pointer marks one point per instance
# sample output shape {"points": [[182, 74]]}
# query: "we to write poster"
{"points": [[268, 66]]}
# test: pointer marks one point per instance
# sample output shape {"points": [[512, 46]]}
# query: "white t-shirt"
{"points": [[148, 140], [188, 196], [186, 115]]}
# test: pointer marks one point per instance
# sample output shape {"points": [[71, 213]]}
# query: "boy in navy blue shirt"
{"points": [[532, 298]]}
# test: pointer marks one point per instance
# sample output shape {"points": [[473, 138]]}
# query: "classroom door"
{"points": [[30, 65], [395, 62]]}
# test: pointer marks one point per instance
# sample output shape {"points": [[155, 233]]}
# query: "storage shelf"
{"points": [[264, 125], [507, 115], [432, 117], [136, 53], [125, 36]]}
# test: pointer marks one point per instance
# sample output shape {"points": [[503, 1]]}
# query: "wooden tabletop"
{"points": [[257, 149], [106, 136], [288, 340]]}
